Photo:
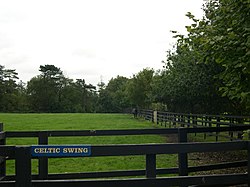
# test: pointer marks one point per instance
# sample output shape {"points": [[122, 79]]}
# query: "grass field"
{"points": [[31, 122]]}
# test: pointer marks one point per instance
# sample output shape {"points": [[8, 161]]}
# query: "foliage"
{"points": [[140, 89], [207, 71], [227, 34], [188, 86], [114, 97], [211, 61], [44, 90], [8, 90], [51, 91]]}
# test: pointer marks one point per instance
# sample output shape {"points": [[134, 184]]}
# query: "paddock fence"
{"points": [[173, 120], [150, 176]]}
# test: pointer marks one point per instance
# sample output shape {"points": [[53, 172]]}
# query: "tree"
{"points": [[22, 99], [218, 44], [77, 97], [113, 98], [188, 86], [8, 90], [227, 33], [85, 93], [51, 91], [140, 88], [44, 89]]}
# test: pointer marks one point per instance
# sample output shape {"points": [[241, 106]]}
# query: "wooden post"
{"points": [[182, 121], [2, 140], [169, 120], [165, 121], [3, 162], [210, 121], [195, 122], [43, 162], [155, 117], [151, 166], [23, 167], [174, 120], [230, 133], [162, 118], [240, 133], [182, 157], [248, 165], [205, 134], [218, 126]]}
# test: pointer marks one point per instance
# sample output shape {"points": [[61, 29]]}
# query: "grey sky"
{"points": [[90, 38]]}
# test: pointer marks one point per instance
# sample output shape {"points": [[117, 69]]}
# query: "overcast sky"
{"points": [[90, 39]]}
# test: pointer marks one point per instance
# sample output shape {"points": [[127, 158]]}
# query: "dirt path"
{"points": [[197, 159]]}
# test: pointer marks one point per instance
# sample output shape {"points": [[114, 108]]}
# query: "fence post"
{"points": [[248, 165], [161, 116], [182, 121], [174, 120], [218, 126], [205, 134], [169, 120], [155, 117], [2, 159], [195, 123], [43, 161], [192, 121], [182, 157], [23, 167], [165, 120], [240, 133], [210, 122], [230, 133], [152, 116], [151, 166]]}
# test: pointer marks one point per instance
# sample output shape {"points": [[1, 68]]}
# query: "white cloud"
{"points": [[90, 38]]}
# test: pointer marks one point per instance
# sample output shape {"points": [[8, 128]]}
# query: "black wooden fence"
{"points": [[173, 120], [24, 177]]}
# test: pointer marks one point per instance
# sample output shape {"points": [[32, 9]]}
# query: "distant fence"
{"points": [[170, 119], [24, 177]]}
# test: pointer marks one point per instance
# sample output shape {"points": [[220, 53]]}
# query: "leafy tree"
{"points": [[51, 91], [85, 94], [77, 97], [140, 88], [227, 34], [187, 86], [217, 49], [22, 99], [113, 98], [8, 90], [44, 90]]}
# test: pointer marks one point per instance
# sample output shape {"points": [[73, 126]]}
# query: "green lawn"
{"points": [[31, 122]]}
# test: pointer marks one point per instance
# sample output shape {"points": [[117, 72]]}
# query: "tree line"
{"points": [[207, 71], [51, 91]]}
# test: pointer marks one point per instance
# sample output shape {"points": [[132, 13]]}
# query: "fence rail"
{"points": [[22, 157], [194, 119], [23, 177], [171, 120]]}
